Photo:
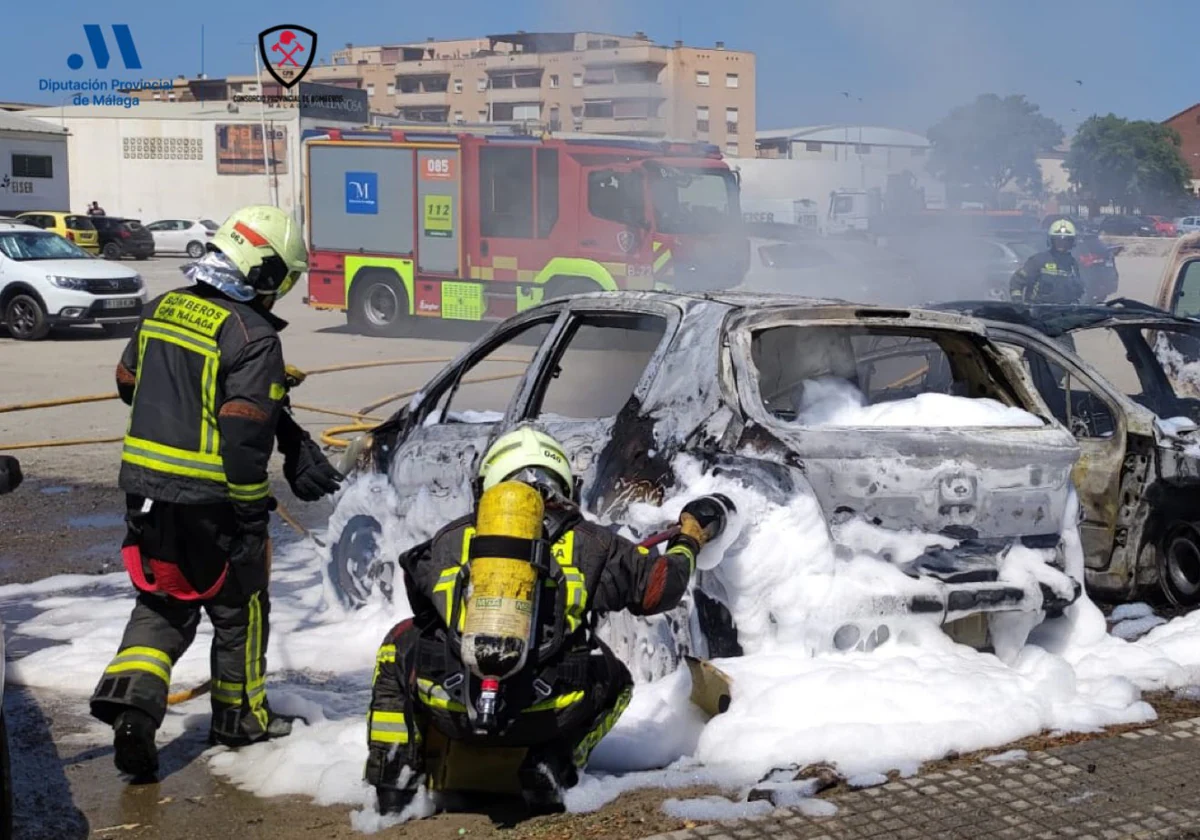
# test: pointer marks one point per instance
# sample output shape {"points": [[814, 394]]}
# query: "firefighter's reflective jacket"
{"points": [[205, 378], [1048, 277], [592, 571]]}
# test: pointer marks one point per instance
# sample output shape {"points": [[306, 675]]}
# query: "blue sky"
{"points": [[908, 60]]}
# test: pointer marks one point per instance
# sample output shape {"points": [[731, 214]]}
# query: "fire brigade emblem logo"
{"points": [[287, 51], [626, 241]]}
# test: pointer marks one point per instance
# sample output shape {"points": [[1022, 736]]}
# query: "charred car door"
{"points": [[590, 393], [1086, 406]]}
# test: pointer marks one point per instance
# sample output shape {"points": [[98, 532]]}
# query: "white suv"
{"points": [[46, 281]]}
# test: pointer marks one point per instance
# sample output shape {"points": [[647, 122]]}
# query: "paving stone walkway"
{"points": [[1143, 784]]}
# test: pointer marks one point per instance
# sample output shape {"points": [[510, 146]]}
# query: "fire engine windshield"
{"points": [[691, 199]]}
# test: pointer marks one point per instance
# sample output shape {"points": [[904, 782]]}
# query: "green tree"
{"points": [[980, 148], [1128, 164]]}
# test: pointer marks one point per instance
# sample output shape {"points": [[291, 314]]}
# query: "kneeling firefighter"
{"points": [[500, 655], [205, 379]]}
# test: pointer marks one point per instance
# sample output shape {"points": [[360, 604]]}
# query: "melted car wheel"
{"points": [[353, 563], [1179, 565]]}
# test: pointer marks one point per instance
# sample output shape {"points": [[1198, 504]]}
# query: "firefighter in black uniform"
{"points": [[205, 377], [1053, 275], [571, 689]]}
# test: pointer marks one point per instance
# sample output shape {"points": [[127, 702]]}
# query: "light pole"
{"points": [[272, 195]]}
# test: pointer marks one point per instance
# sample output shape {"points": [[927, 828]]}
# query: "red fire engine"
{"points": [[479, 227]]}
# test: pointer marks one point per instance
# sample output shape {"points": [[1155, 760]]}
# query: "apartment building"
{"points": [[588, 82]]}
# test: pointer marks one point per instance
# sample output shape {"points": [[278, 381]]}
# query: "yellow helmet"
{"points": [[1062, 227], [265, 244], [525, 448]]}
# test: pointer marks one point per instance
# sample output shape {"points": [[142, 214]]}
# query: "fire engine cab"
{"points": [[407, 224]]}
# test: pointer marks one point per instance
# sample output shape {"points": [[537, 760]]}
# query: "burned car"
{"points": [[1123, 378], [628, 382]]}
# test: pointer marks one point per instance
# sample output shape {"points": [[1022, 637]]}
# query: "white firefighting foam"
{"points": [[788, 583]]}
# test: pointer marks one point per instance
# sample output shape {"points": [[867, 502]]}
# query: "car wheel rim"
{"points": [[1184, 566], [23, 317], [382, 305]]}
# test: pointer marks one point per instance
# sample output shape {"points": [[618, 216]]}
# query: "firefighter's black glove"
{"points": [[10, 474], [704, 519], [309, 472], [248, 557]]}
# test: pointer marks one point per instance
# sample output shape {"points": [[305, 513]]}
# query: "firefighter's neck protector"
{"points": [[217, 270], [527, 450]]}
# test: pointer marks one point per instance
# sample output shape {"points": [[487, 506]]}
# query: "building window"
{"points": [[553, 80], [731, 148], [600, 108], [458, 86], [483, 115], [391, 89], [702, 78], [702, 118], [731, 120], [731, 80], [458, 117], [370, 89], [810, 146], [862, 149], [32, 166], [577, 80]]}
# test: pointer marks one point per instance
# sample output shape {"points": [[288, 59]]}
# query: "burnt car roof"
{"points": [[824, 307], [1055, 320]]}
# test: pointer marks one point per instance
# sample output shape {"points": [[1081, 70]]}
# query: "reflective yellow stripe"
{"points": [[249, 492], [660, 262], [556, 703], [388, 728], [605, 726], [687, 552], [277, 392], [210, 434], [576, 610], [386, 654], [434, 695], [229, 693], [256, 691], [145, 659], [168, 459], [176, 335]]}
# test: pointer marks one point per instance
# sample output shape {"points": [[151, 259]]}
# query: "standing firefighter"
{"points": [[1053, 275], [204, 375], [500, 654]]}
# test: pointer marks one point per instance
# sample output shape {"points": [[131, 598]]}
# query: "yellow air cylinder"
{"points": [[498, 625]]}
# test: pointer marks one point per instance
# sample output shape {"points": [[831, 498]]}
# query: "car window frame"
{"points": [[560, 341]]}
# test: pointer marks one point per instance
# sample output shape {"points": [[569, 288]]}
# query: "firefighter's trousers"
{"points": [[162, 627], [560, 730]]}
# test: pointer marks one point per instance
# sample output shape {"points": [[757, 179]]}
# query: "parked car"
{"points": [[1118, 377], [718, 376], [1127, 226], [46, 281], [123, 238], [1164, 226], [73, 228], [182, 236], [846, 269], [1187, 224]]}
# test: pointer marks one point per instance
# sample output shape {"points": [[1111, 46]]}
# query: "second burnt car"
{"points": [[629, 381], [1123, 377]]}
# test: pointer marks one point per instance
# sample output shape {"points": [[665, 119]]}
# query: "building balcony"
{"points": [[512, 61], [431, 67], [653, 126], [624, 90], [647, 54], [440, 99], [514, 95]]}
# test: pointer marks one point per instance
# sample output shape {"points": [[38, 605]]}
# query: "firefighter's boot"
{"points": [[278, 726], [544, 778], [393, 800], [134, 751]]}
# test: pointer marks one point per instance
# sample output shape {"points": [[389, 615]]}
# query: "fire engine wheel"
{"points": [[379, 305]]}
